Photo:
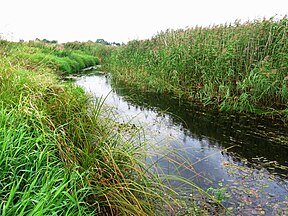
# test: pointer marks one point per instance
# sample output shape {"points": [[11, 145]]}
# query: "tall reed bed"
{"points": [[57, 155], [239, 66]]}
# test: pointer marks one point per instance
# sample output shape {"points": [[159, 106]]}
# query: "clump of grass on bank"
{"points": [[101, 51], [235, 67], [57, 155], [35, 55], [34, 179]]}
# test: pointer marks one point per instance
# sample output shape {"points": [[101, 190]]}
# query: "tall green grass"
{"points": [[235, 67], [34, 179]]}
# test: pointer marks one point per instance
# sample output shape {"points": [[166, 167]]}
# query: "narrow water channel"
{"points": [[242, 159]]}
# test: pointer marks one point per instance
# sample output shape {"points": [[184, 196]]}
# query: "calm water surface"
{"points": [[244, 157]]}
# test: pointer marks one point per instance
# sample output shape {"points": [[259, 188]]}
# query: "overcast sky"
{"points": [[122, 20]]}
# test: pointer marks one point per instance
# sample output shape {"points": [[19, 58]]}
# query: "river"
{"points": [[242, 160]]}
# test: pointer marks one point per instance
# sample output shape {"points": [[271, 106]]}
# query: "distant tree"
{"points": [[115, 44], [102, 41], [45, 40], [48, 41]]}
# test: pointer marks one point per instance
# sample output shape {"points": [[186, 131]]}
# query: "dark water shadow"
{"points": [[252, 136]]}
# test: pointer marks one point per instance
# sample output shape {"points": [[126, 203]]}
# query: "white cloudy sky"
{"points": [[122, 20]]}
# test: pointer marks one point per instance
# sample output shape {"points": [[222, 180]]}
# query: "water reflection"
{"points": [[253, 136], [204, 138]]}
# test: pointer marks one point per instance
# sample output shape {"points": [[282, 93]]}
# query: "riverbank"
{"points": [[58, 156], [233, 67], [239, 159]]}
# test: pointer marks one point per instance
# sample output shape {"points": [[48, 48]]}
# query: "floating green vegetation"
{"points": [[239, 67]]}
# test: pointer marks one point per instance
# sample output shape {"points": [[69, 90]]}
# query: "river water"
{"points": [[242, 160]]}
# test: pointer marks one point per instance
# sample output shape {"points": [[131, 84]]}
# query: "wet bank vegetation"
{"points": [[238, 67], [58, 156]]}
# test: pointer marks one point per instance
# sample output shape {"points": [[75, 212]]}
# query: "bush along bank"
{"points": [[57, 156], [234, 67]]}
